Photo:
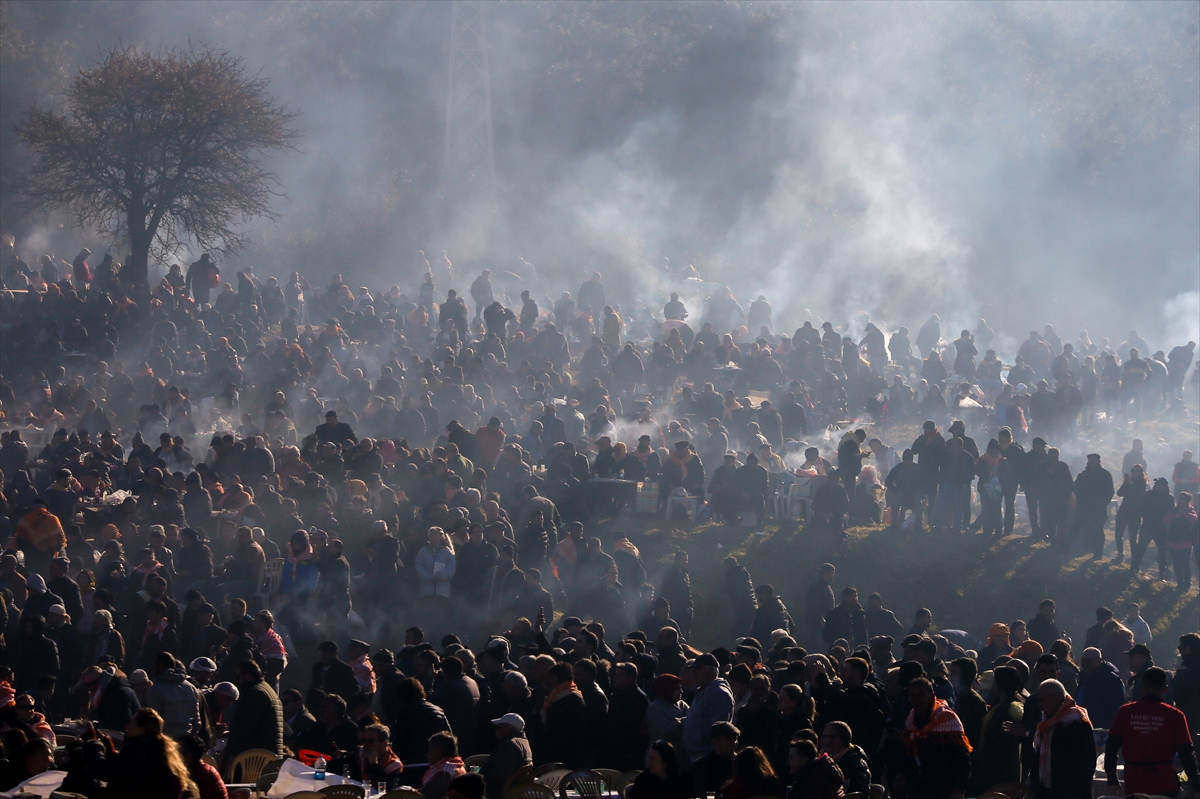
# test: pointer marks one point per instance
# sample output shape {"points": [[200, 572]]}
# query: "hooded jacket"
{"points": [[177, 701]]}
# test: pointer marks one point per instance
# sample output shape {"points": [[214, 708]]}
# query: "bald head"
{"points": [[1050, 696]]}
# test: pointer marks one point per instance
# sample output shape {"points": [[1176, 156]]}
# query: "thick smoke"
{"points": [[1029, 163]]}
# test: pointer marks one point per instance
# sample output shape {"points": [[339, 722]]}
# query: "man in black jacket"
{"points": [[837, 742], [334, 431], [712, 771], [61, 584], [848, 620], [1010, 471], [626, 737], [771, 615], [333, 730], [458, 696], [853, 701], [1054, 496], [677, 589], [331, 675], [937, 759], [1033, 467], [38, 655], [1093, 490], [564, 717], [1065, 746], [741, 596], [117, 702], [929, 449], [414, 721]]}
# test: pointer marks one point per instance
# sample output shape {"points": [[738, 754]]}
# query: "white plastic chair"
{"points": [[690, 504]]}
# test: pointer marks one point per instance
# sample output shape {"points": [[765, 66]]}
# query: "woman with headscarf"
{"points": [[664, 717]]}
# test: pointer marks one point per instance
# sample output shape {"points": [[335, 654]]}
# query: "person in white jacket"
{"points": [[435, 564], [1136, 624]]}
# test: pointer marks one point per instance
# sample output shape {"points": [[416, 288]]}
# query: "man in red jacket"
{"points": [[1150, 732], [489, 441]]}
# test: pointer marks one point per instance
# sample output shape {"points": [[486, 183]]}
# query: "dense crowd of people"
{"points": [[216, 493]]}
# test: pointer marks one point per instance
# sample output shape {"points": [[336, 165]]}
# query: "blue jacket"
{"points": [[303, 581], [712, 703], [1101, 693], [427, 559]]}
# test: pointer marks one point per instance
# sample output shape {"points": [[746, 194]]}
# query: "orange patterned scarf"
{"points": [[943, 726]]}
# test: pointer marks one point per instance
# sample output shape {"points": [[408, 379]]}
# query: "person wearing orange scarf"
{"points": [[1065, 744], [564, 714], [683, 470], [937, 754], [444, 765]]}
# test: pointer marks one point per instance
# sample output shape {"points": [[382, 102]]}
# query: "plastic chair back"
{"points": [[249, 765]]}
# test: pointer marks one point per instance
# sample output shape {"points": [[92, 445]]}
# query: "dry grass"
{"points": [[966, 581]]}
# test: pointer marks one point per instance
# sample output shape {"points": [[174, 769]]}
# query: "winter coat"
{"points": [[177, 701], [1101, 693], [427, 560], [257, 721]]}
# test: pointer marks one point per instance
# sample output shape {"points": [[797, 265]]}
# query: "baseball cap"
{"points": [[202, 664], [705, 660], [512, 720], [1139, 649], [59, 610]]}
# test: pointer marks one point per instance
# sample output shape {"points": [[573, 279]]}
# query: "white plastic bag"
{"points": [[295, 776]]}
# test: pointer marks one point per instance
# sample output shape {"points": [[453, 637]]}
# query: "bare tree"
{"points": [[156, 150]]}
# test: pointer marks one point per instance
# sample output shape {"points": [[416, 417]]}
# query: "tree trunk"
{"points": [[135, 274]]}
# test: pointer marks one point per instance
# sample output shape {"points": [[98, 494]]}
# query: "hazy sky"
{"points": [[1030, 162]]}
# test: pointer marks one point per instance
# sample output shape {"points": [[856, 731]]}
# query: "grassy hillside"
{"points": [[968, 582]]}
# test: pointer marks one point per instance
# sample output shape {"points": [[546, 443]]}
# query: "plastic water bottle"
{"points": [[319, 773]]}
